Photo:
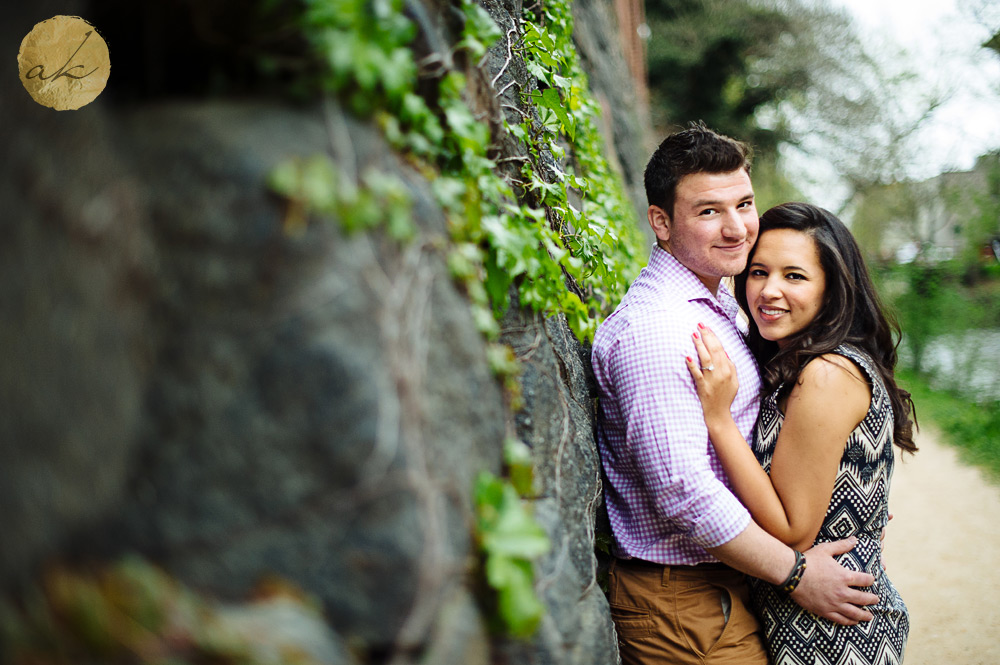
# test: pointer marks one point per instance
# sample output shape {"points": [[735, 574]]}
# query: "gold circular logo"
{"points": [[64, 63]]}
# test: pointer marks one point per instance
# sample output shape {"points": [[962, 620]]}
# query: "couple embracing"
{"points": [[748, 460]]}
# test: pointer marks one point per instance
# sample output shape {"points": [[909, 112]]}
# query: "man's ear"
{"points": [[659, 221]]}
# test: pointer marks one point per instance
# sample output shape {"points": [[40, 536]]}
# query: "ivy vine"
{"points": [[566, 227], [132, 611], [510, 539], [559, 231]]}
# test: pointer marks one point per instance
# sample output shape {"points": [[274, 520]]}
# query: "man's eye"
{"points": [[708, 211], [745, 204]]}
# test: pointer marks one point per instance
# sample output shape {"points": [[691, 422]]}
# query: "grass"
{"points": [[972, 427]]}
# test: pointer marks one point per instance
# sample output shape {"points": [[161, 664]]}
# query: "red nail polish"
{"points": [[689, 359], [695, 335], [701, 325]]}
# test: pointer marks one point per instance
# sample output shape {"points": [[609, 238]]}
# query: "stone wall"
{"points": [[186, 379]]}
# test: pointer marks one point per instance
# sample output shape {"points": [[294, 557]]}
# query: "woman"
{"points": [[820, 465]]}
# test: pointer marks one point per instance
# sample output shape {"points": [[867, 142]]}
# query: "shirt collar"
{"points": [[668, 270]]}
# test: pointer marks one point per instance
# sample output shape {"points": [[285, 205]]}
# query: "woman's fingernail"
{"points": [[701, 325], [695, 335], [689, 359]]}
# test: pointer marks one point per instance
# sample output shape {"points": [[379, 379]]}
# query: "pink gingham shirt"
{"points": [[667, 495]]}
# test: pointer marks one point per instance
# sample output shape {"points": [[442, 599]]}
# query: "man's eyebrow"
{"points": [[701, 203]]}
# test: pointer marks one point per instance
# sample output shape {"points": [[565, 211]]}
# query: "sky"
{"points": [[941, 39]]}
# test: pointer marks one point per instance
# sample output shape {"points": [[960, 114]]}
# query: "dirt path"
{"points": [[943, 554]]}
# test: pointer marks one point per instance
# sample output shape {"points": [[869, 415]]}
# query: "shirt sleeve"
{"points": [[666, 439]]}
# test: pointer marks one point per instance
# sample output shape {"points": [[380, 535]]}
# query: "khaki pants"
{"points": [[678, 614]]}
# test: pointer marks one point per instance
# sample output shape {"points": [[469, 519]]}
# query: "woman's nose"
{"points": [[770, 289]]}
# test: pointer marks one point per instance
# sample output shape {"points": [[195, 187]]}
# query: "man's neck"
{"points": [[711, 282]]}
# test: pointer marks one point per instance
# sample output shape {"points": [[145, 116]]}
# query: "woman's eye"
{"points": [[795, 275], [757, 273]]}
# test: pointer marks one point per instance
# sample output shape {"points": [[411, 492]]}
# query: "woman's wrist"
{"points": [[718, 420]]}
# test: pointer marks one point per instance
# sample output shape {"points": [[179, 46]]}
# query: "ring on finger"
{"points": [[708, 368]]}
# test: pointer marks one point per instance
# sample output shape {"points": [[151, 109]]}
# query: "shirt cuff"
{"points": [[723, 518]]}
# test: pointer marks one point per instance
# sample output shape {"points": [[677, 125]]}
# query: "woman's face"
{"points": [[785, 283]]}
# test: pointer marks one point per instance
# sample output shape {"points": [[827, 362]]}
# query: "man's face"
{"points": [[713, 227]]}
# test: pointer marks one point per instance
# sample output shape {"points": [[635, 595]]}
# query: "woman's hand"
{"points": [[714, 374]]}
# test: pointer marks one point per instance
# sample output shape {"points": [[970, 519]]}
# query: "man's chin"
{"points": [[733, 268]]}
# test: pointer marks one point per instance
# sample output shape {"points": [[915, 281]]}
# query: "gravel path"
{"points": [[942, 550]]}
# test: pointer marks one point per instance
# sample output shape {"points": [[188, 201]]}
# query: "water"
{"points": [[967, 362]]}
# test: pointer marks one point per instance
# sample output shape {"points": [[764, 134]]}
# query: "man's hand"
{"points": [[881, 541], [826, 590]]}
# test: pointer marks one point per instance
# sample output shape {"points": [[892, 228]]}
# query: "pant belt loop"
{"points": [[665, 579]]}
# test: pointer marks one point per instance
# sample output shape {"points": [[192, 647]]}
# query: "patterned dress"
{"points": [[859, 507]]}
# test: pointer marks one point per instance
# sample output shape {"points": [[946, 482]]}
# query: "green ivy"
{"points": [[561, 233], [535, 241], [133, 612], [316, 185], [602, 240], [509, 540]]}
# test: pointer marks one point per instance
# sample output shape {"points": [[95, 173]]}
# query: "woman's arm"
{"points": [[829, 400]]}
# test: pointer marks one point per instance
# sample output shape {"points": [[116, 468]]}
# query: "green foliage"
{"points": [[929, 301], [559, 234], [981, 220], [316, 185], [993, 43], [538, 243], [873, 218], [972, 427], [704, 65], [602, 240], [770, 186], [509, 539], [480, 32], [520, 466], [134, 613], [507, 368], [363, 43]]}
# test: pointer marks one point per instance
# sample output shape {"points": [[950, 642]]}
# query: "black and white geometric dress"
{"points": [[859, 507]]}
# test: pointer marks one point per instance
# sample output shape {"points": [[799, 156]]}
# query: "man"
{"points": [[681, 538]]}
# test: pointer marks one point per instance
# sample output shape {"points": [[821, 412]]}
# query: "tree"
{"points": [[858, 108], [701, 61], [987, 14], [794, 78]]}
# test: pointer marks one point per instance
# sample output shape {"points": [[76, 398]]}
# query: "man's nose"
{"points": [[734, 226]]}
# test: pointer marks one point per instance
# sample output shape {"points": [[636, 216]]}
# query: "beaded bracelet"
{"points": [[794, 577]]}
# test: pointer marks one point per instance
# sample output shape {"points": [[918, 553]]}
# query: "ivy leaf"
{"points": [[480, 29], [313, 181], [519, 606], [562, 82], [515, 533], [520, 466], [550, 99], [497, 283], [510, 538], [537, 70], [489, 497]]}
